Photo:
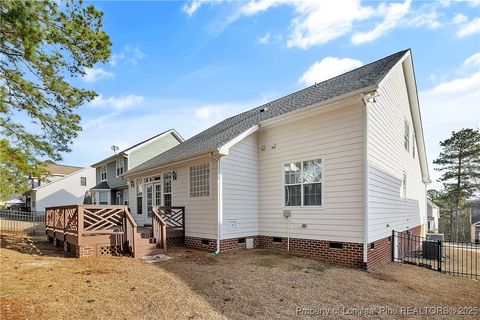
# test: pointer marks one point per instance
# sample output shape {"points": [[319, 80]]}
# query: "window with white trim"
{"points": [[103, 173], [200, 180], [404, 186], [406, 136], [167, 188], [83, 181], [303, 183], [119, 166]]}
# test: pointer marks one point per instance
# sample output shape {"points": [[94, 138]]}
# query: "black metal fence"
{"points": [[19, 221], [432, 252]]}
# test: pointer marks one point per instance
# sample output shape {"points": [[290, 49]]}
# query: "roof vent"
{"points": [[264, 109]]}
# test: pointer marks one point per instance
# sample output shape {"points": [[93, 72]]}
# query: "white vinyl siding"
{"points": [[200, 212], [64, 191], [240, 190], [334, 134], [388, 119]]}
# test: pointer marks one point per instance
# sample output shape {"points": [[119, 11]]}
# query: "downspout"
{"points": [[365, 179], [219, 201]]}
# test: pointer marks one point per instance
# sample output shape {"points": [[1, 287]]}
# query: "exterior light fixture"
{"points": [[174, 175]]}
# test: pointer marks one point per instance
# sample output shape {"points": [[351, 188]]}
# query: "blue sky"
{"points": [[188, 65]]}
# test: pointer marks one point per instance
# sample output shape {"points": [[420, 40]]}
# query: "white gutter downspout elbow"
{"points": [[365, 178], [219, 201]]}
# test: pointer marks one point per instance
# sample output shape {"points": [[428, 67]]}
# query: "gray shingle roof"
{"points": [[221, 133], [101, 186]]}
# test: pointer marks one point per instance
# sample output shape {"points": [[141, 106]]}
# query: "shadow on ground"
{"points": [[30, 244]]}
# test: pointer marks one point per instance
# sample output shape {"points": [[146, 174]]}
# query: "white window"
{"points": [[406, 141], [404, 186], [200, 180], [103, 173], [119, 165], [83, 181], [167, 188], [303, 183]]}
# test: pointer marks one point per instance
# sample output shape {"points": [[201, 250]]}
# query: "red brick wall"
{"points": [[225, 245], [351, 254], [381, 254]]}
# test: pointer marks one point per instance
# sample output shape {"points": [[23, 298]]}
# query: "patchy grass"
{"points": [[37, 282]]}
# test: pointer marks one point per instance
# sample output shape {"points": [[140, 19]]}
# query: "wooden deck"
{"points": [[96, 230]]}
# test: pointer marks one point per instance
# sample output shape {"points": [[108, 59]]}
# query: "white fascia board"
{"points": [[223, 150], [406, 64]]}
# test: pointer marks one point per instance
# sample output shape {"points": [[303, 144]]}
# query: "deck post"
{"points": [[79, 224]]}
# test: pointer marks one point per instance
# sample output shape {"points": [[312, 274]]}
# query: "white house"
{"points": [[67, 190], [433, 213], [327, 172]]}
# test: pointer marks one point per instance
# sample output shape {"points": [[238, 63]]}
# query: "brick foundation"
{"points": [[350, 255], [346, 254], [381, 252]]}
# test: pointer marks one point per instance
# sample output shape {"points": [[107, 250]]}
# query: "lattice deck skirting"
{"points": [[108, 250]]}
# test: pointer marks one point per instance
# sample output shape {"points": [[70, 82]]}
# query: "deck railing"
{"points": [[81, 221], [174, 217], [159, 229]]}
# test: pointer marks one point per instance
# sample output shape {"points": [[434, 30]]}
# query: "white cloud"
{"points": [[264, 39], [115, 58], [192, 6], [459, 18], [393, 14], [95, 74], [327, 68], [449, 106], [473, 60], [469, 28], [119, 103], [134, 54], [209, 112]]}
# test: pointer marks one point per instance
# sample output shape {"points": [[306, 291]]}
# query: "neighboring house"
{"points": [[67, 190], [343, 159], [54, 172], [475, 232], [111, 187], [433, 213], [473, 210]]}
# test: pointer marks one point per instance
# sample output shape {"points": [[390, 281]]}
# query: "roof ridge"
{"points": [[224, 131]]}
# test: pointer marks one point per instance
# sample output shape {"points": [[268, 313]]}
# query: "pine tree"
{"points": [[459, 162], [43, 47]]}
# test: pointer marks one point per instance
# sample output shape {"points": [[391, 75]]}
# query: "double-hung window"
{"points": [[167, 189], [200, 180], [119, 165], [103, 173], [303, 183], [83, 181]]}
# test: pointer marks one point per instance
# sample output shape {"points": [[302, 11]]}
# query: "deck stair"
{"points": [[95, 230]]}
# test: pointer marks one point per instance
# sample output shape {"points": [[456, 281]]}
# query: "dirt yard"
{"points": [[37, 282]]}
